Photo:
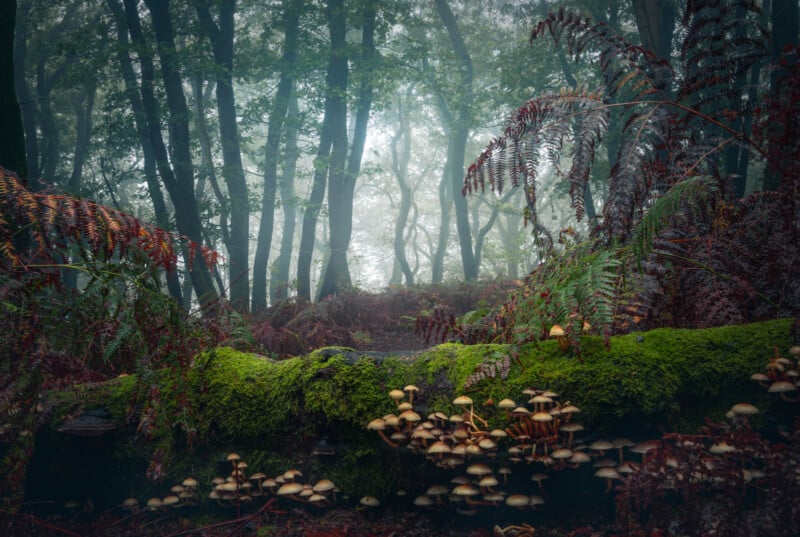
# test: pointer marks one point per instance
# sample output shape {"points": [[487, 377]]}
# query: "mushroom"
{"points": [[783, 387], [379, 425], [463, 400], [396, 396], [608, 473], [291, 490], [411, 389], [368, 501], [561, 336]]}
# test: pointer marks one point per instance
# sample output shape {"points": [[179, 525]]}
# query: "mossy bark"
{"points": [[311, 412]]}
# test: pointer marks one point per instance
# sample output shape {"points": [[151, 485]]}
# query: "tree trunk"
{"points": [[272, 150], [343, 180], [782, 131], [180, 183], [279, 282], [402, 136], [12, 140], [445, 195], [305, 253], [221, 38], [457, 139]]}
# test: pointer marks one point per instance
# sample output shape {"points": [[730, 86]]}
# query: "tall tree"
{"points": [[400, 147], [342, 175], [12, 139], [140, 123], [457, 118], [279, 280], [180, 181], [277, 116], [221, 37], [782, 129]]}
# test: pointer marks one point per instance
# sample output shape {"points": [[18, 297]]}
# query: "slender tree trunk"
{"points": [[305, 253], [140, 121], [221, 39], [84, 108], [343, 180], [12, 139], [784, 33], [277, 117], [457, 139], [402, 137], [279, 282], [27, 107], [445, 203], [180, 183]]}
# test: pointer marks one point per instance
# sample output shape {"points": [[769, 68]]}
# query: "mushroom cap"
{"points": [[410, 388], [542, 416], [437, 490], [291, 474], [232, 457], [423, 501], [556, 331], [578, 457], [130, 502], [536, 399], [781, 386], [571, 427], [258, 476], [370, 501], [170, 500], [438, 447], [405, 405], [396, 394], [154, 503], [378, 424], [561, 453], [506, 403], [189, 482], [488, 481], [410, 415], [479, 468], [608, 472], [323, 485], [744, 409], [462, 400], [721, 448], [518, 500], [570, 409], [759, 377], [316, 498], [465, 489], [601, 445], [289, 488]]}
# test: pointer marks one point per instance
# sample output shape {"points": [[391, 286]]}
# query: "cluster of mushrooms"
{"points": [[542, 431], [783, 375], [239, 488], [181, 494]]}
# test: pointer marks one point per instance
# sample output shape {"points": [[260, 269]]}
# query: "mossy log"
{"points": [[311, 412]]}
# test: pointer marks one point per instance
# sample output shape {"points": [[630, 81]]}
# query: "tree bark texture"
{"points": [[277, 116]]}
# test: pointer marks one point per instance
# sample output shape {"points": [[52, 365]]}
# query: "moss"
{"points": [[274, 412]]}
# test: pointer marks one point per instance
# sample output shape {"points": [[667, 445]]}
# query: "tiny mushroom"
{"points": [[561, 336], [411, 390]]}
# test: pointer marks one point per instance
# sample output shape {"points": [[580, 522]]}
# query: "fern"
{"points": [[694, 195]]}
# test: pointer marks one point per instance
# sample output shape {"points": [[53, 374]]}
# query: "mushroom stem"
{"points": [[386, 439], [789, 399]]}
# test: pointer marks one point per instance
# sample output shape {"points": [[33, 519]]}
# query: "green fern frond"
{"points": [[691, 195]]}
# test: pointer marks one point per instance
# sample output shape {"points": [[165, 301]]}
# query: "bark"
{"points": [[655, 21], [180, 182], [277, 117], [782, 130], [221, 38], [343, 179], [84, 108], [27, 106], [459, 120], [279, 282], [12, 139], [140, 122], [445, 195], [313, 206], [400, 158]]}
